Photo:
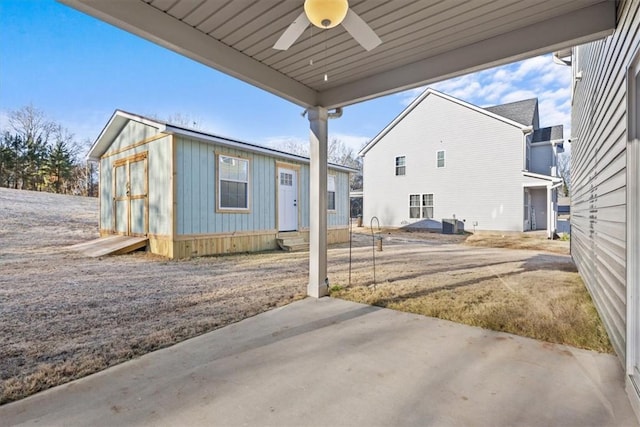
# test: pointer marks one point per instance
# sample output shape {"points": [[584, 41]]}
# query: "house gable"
{"points": [[425, 96]]}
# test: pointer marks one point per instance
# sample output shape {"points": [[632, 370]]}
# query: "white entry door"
{"points": [[287, 199]]}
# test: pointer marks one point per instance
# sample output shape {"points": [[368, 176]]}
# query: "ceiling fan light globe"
{"points": [[326, 13]]}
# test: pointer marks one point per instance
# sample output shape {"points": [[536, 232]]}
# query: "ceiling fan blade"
{"points": [[360, 30], [292, 32]]}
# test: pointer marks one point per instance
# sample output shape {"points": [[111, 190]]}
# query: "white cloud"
{"points": [[517, 95], [537, 77], [408, 96], [531, 66]]}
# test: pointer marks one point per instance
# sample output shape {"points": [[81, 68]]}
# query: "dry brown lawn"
{"points": [[534, 291], [64, 316]]}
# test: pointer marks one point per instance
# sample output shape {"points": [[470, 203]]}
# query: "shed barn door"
{"points": [[130, 202]]}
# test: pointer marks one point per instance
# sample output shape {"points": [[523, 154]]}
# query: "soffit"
{"points": [[422, 40]]}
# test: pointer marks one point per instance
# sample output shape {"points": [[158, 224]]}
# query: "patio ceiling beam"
{"points": [[572, 29]]}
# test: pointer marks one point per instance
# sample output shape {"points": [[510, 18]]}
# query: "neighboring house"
{"points": [[443, 158], [564, 215], [193, 193], [356, 203], [605, 175]]}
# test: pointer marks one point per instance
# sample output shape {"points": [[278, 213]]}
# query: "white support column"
{"points": [[317, 286]]}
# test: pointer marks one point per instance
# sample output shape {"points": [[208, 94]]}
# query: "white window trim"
{"points": [[219, 207], [444, 159], [335, 192], [432, 205], [395, 165], [420, 206]]}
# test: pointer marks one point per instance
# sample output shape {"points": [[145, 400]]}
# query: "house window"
{"points": [[421, 206], [440, 159], [427, 206], [331, 192], [414, 206], [233, 183], [401, 165]]}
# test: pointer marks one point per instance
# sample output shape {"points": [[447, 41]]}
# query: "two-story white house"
{"points": [[492, 168]]}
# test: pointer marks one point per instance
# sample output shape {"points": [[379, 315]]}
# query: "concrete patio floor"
{"points": [[332, 362]]}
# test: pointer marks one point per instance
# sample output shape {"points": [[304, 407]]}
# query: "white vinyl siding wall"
{"points": [[482, 180], [598, 200]]}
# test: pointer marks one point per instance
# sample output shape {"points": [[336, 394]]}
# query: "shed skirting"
{"points": [[183, 247], [187, 246]]}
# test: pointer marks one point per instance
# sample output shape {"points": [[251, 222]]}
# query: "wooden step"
{"points": [[293, 244]]}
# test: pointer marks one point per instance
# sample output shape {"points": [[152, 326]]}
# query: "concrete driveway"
{"points": [[332, 362]]}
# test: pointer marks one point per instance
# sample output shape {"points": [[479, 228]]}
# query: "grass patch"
{"points": [[560, 312]]}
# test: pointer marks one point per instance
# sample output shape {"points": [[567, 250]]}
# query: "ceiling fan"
{"points": [[327, 14]]}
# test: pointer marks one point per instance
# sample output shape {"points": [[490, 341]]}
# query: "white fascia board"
{"points": [[146, 21], [113, 127], [551, 142], [546, 178], [578, 27], [246, 146], [419, 99]]}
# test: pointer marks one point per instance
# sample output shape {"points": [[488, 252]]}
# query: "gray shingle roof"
{"points": [[523, 112], [550, 133]]}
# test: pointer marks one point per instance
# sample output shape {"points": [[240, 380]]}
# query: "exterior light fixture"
{"points": [[326, 13]]}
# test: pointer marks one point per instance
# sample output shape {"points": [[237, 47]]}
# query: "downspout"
{"points": [[525, 133], [337, 113]]}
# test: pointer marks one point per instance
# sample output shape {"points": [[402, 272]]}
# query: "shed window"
{"points": [[233, 185], [400, 165], [331, 192], [441, 159]]}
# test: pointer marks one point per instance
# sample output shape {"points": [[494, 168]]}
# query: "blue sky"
{"points": [[78, 70]]}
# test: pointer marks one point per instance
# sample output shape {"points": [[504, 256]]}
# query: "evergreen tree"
{"points": [[59, 167]]}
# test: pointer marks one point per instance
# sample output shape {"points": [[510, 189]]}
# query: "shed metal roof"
{"points": [[120, 118], [422, 41]]}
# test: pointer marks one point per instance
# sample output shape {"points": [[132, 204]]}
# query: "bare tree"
{"points": [[179, 119], [34, 130], [31, 124], [564, 170], [337, 152]]}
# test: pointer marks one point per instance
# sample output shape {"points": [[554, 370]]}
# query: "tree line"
{"points": [[337, 152], [39, 154]]}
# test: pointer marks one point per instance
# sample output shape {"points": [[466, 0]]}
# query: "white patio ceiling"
{"points": [[423, 41]]}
